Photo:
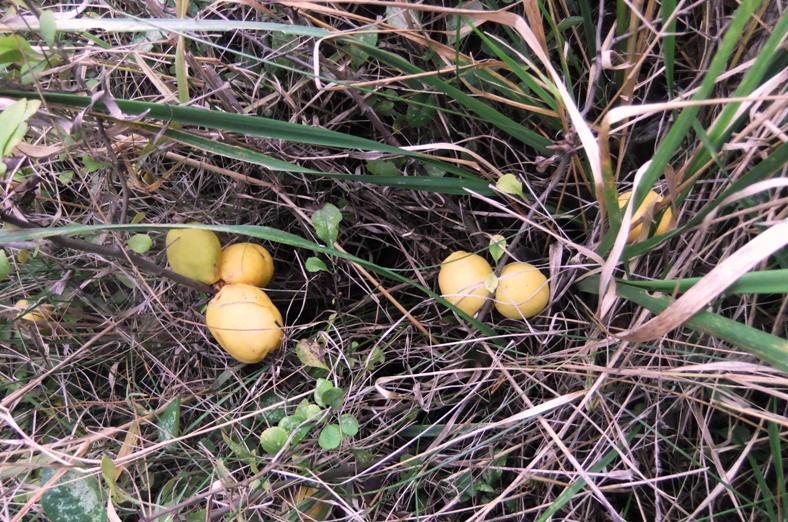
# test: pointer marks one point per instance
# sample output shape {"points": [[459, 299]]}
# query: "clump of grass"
{"points": [[652, 388]]}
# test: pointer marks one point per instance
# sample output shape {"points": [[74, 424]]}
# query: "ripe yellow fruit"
{"points": [[246, 263], [194, 253], [39, 314], [461, 281], [652, 199], [522, 291], [245, 322], [664, 222], [248, 293]]}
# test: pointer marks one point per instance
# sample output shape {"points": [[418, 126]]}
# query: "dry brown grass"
{"points": [[455, 424]]}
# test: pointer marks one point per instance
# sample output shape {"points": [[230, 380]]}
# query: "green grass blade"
{"points": [[254, 126], [241, 123], [764, 282], [452, 186], [481, 109], [684, 121], [683, 124], [589, 30], [669, 43], [259, 232], [559, 43], [765, 346], [622, 17], [749, 82], [520, 71], [170, 25], [775, 443], [708, 146], [766, 493]]}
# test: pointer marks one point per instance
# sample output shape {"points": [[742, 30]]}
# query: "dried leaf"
{"points": [[310, 353]]}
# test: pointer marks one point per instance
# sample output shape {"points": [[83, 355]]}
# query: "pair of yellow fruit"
{"points": [[241, 316], [522, 290], [197, 254]]}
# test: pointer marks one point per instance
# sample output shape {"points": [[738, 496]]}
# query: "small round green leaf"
{"points": [[497, 246], [330, 437], [308, 410], [375, 358], [348, 424], [509, 184], [383, 168], [140, 243], [296, 423], [5, 265], [322, 386], [291, 422], [315, 264], [326, 222], [66, 177], [273, 439], [334, 398], [302, 407], [91, 164], [491, 282], [302, 432]]}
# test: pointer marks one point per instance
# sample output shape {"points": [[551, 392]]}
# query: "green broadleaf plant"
{"points": [[315, 264], [330, 437], [326, 222]]}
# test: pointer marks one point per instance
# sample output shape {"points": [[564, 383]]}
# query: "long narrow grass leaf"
{"points": [[767, 347], [683, 124], [481, 109], [259, 232], [246, 125], [520, 71], [444, 185], [669, 42], [775, 443], [764, 282], [241, 123], [749, 82], [589, 31], [768, 498], [175, 25]]}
